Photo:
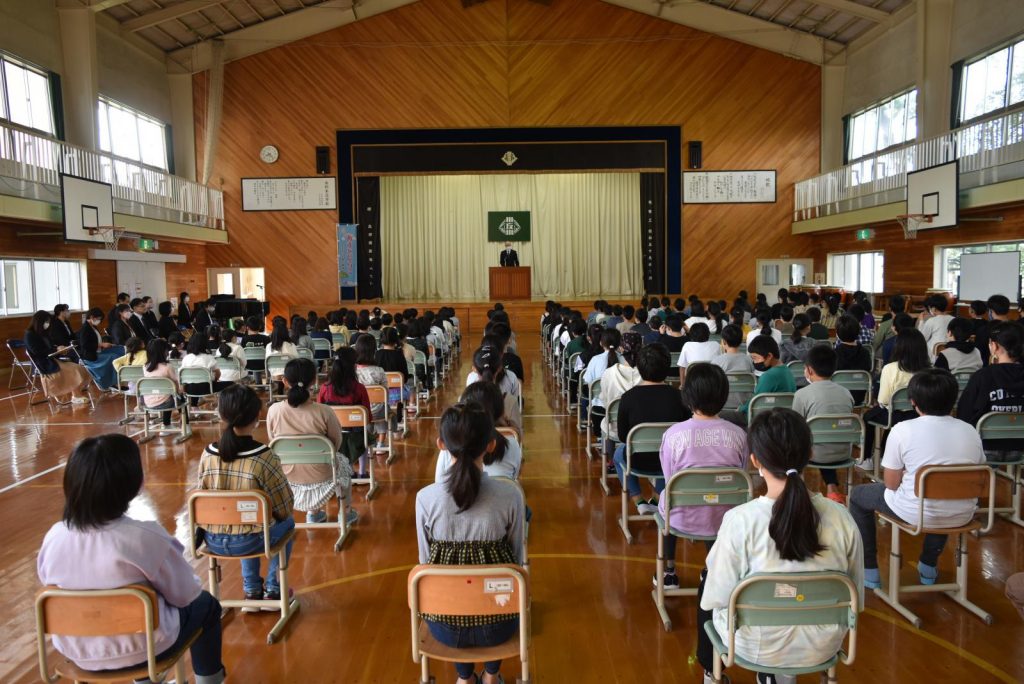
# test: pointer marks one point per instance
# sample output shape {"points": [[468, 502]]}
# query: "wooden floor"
{"points": [[593, 616]]}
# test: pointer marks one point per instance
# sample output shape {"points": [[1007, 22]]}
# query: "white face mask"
{"points": [[46, 325]]}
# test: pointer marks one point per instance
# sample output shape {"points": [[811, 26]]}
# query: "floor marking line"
{"points": [[33, 477]]}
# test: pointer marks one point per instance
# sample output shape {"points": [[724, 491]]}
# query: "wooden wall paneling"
{"points": [[518, 63]]}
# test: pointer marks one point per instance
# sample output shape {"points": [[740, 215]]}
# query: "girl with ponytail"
{"points": [[717, 319], [796, 346], [488, 366], [787, 530], [237, 462], [506, 458], [312, 485], [468, 519], [610, 341], [762, 324]]}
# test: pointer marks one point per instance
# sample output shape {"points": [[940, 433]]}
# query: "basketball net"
{"points": [[912, 223], [111, 235]]}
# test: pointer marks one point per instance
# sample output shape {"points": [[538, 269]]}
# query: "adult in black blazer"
{"points": [[120, 330], [136, 323], [98, 356], [204, 318], [60, 332], [149, 316], [59, 378], [509, 256], [122, 298], [185, 310], [167, 324]]}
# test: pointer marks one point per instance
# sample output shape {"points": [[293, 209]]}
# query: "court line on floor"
{"points": [[991, 669], [33, 477]]}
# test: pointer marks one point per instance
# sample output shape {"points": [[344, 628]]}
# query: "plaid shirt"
{"points": [[866, 335], [255, 468]]}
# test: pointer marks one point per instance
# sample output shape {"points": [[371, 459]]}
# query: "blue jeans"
{"points": [[102, 369], [631, 483], [467, 637], [864, 501], [243, 544], [203, 613]]}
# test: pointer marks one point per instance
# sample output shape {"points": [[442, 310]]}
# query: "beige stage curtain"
{"points": [[585, 234]]}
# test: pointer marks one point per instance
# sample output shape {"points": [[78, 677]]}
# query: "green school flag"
{"points": [[508, 226]]}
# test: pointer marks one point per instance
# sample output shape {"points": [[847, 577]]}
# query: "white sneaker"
{"points": [[79, 400]]}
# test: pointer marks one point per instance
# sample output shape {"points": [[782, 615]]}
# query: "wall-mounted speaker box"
{"points": [[323, 160], [695, 154]]}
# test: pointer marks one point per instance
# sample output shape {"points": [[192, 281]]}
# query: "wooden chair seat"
{"points": [[274, 550], [435, 649], [906, 527], [67, 669]]}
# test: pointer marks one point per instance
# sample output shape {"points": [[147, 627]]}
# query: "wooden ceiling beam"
{"points": [[169, 13]]}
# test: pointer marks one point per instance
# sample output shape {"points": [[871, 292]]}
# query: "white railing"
{"points": [[138, 189], [882, 178]]}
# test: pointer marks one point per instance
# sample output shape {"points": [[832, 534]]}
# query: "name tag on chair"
{"points": [[246, 506], [711, 498], [785, 591], [498, 585]]}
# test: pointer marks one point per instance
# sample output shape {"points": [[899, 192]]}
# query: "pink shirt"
{"points": [[701, 443], [164, 370], [124, 551]]}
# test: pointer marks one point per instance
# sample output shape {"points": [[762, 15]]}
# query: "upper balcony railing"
{"points": [[882, 178], [37, 162]]}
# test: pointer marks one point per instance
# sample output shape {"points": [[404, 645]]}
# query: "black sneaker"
{"points": [[254, 596], [275, 596], [671, 580], [647, 507]]}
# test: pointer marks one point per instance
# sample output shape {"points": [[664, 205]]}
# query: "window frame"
{"points": [[83, 275], [139, 115], [848, 122], [5, 97], [829, 270], [960, 81], [940, 271]]}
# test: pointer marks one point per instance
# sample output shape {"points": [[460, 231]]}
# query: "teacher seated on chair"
{"points": [[509, 256]]}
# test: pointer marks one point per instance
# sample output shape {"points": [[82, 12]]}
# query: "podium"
{"points": [[509, 283]]}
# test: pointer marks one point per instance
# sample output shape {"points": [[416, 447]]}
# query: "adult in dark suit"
{"points": [[60, 332], [122, 298], [120, 330], [149, 316], [184, 310], [98, 356], [204, 318], [136, 323], [167, 325], [509, 256]]}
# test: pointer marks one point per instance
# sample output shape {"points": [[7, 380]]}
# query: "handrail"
{"points": [[981, 145], [31, 157]]}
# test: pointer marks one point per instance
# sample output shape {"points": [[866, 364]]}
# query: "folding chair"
{"points": [[160, 387], [127, 376], [468, 590], [275, 364], [788, 599], [845, 429], [741, 388], [767, 401], [352, 417], [509, 433], [584, 393], [225, 507], [413, 408], [133, 609], [203, 377], [694, 487], [673, 376], [572, 380], [20, 361], [322, 346], [796, 369], [379, 395], [230, 364], [645, 437], [941, 483], [306, 353], [338, 340], [526, 523], [313, 450], [900, 402], [256, 354], [612, 435], [595, 393], [962, 378], [855, 381], [396, 381], [420, 359], [999, 426]]}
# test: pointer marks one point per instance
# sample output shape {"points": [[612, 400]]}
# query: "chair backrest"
{"points": [[151, 386], [855, 381], [613, 420], [276, 363], [352, 416], [996, 426], [229, 507], [962, 378], [509, 433], [19, 351], [796, 369], [395, 380], [790, 599], [127, 374], [469, 590], [571, 363], [229, 363], [196, 376], [377, 394], [709, 487], [419, 358], [741, 382], [305, 353], [767, 401], [339, 339], [838, 429], [254, 353], [952, 482], [900, 401], [322, 345], [303, 450], [645, 438], [675, 358]]}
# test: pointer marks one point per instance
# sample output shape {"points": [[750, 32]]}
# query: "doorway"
{"points": [[774, 274], [240, 283]]}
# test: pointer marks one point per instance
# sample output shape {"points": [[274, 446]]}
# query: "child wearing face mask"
{"points": [[775, 377]]}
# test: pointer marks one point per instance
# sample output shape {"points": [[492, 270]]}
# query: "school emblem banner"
{"points": [[508, 226]]}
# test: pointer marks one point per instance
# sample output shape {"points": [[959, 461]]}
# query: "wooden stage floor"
{"points": [[593, 616]]}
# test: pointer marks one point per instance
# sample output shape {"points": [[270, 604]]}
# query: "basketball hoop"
{"points": [[111, 235], [912, 223]]}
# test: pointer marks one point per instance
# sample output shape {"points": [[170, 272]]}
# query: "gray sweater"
{"points": [[497, 512], [824, 398]]}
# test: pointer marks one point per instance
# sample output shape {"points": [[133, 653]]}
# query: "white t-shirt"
{"points": [[287, 349], [934, 331], [695, 352], [509, 465], [924, 441], [692, 320], [776, 333], [509, 383], [208, 361]]}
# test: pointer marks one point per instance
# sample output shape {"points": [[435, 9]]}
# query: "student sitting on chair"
{"points": [[300, 335], [699, 349], [762, 325], [158, 367], [775, 377], [935, 438], [784, 319], [652, 401], [934, 322], [487, 366], [909, 355], [312, 485], [960, 354], [795, 346], [280, 340], [506, 458], [866, 334], [469, 519], [64, 381], [850, 354], [622, 376], [703, 441], [822, 397], [998, 386], [198, 356], [786, 530], [817, 331], [344, 389], [610, 341], [97, 546], [672, 334], [134, 354], [369, 373], [321, 331], [237, 462]]}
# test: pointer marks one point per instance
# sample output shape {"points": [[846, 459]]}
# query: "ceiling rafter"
{"points": [[169, 13]]}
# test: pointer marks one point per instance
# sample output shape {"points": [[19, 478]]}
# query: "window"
{"points": [[131, 134], [888, 124], [949, 260], [33, 284], [992, 82], [25, 95], [857, 271]]}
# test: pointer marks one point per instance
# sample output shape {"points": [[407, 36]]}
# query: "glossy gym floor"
{"points": [[593, 618]]}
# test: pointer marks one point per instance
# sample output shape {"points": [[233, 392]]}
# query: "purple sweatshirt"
{"points": [[701, 443], [124, 551]]}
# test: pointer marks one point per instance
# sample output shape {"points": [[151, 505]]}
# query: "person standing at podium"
{"points": [[509, 256]]}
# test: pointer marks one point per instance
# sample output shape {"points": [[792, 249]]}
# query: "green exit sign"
{"points": [[145, 244], [864, 234]]}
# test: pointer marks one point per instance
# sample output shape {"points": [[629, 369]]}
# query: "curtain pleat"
{"points": [[585, 234]]}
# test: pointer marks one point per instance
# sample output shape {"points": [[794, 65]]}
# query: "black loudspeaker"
{"points": [[323, 160], [696, 154]]}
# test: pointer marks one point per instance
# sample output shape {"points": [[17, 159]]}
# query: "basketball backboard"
{"points": [[935, 192], [88, 205]]}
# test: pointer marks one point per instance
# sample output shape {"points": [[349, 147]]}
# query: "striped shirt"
{"points": [[256, 467]]}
